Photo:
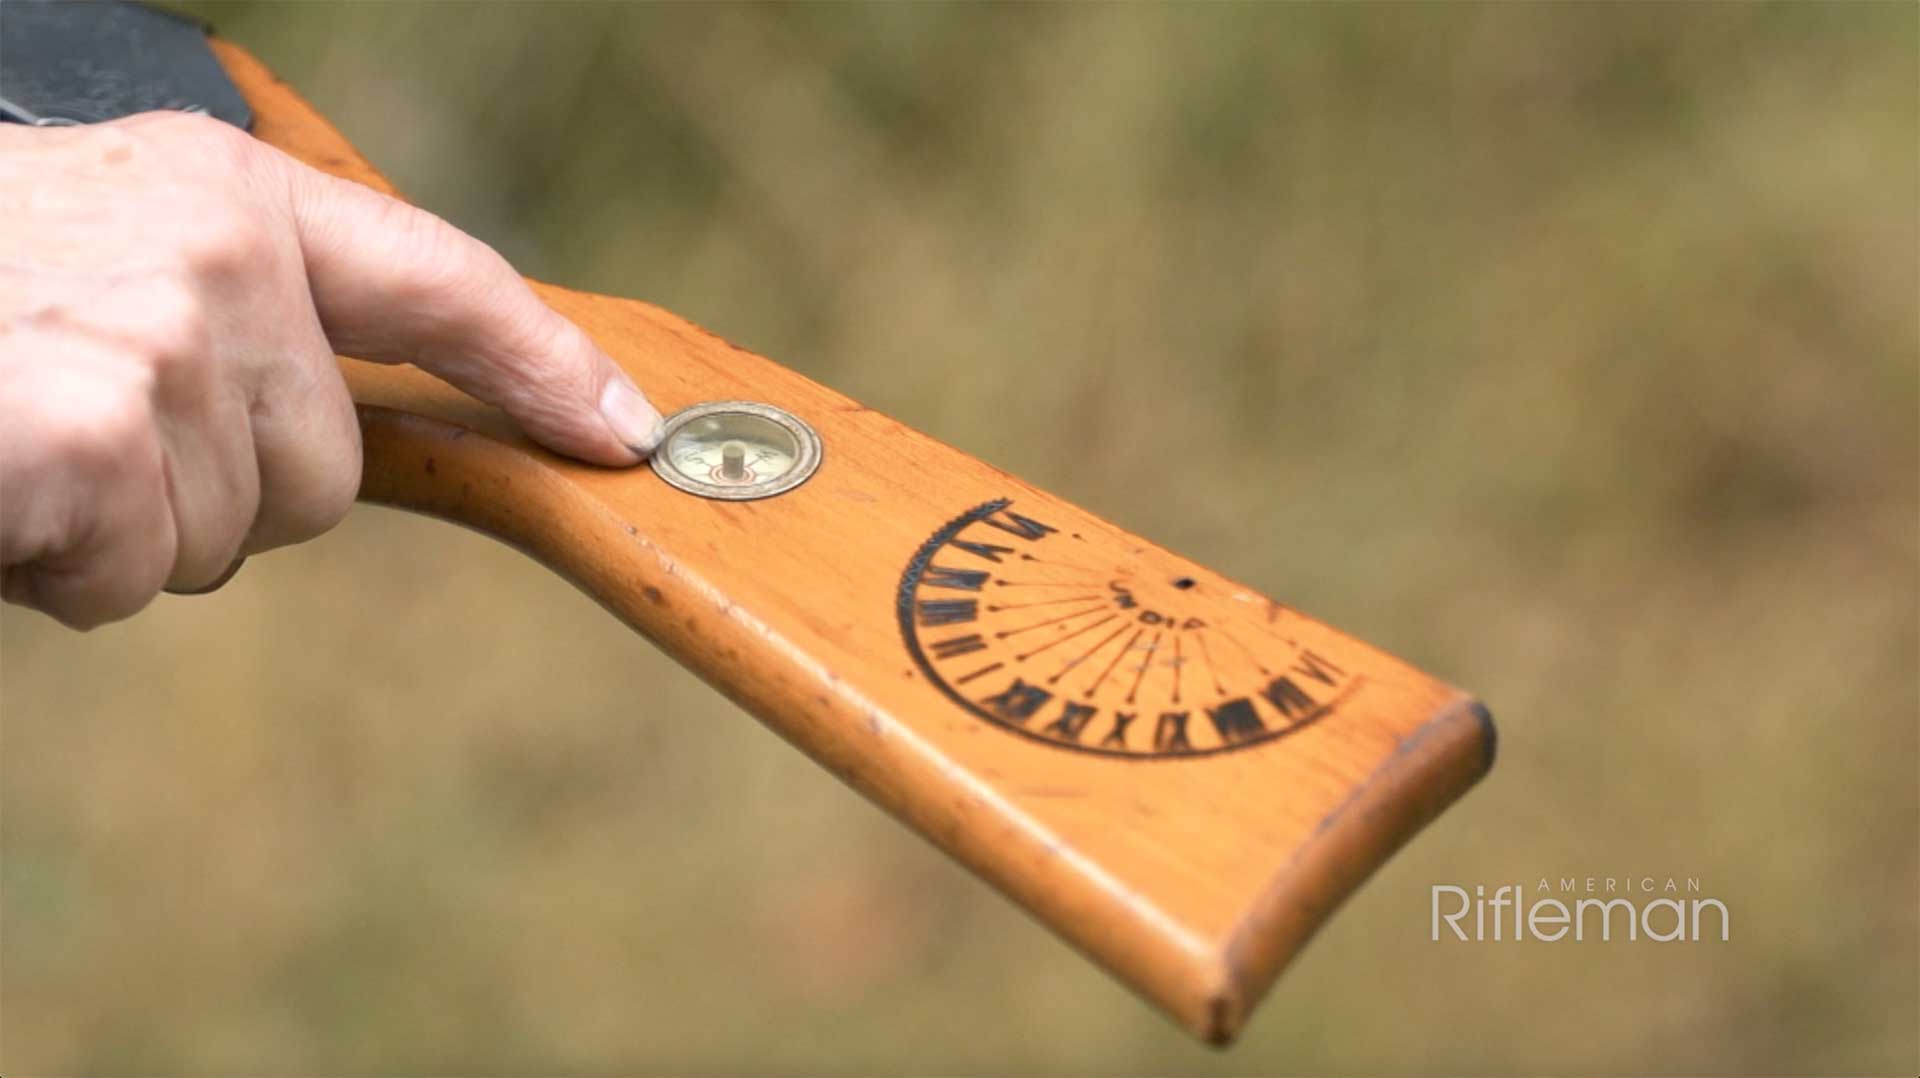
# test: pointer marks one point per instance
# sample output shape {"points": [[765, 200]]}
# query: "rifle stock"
{"points": [[1188, 818]]}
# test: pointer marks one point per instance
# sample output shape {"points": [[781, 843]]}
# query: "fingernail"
{"points": [[16, 585], [634, 421], [213, 585]]}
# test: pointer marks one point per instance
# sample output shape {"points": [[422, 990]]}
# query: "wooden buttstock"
{"points": [[1180, 776]]}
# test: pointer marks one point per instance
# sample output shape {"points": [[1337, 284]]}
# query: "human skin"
{"points": [[172, 295]]}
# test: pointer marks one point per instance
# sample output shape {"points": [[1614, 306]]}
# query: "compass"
{"points": [[736, 450]]}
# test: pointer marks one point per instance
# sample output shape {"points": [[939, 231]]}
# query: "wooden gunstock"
{"points": [[1180, 776]]}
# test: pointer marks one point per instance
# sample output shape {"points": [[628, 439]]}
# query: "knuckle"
{"points": [[326, 495], [573, 366], [225, 240], [442, 260], [202, 560], [170, 143], [86, 617], [330, 499], [103, 426], [209, 537], [550, 350], [201, 180], [175, 329], [112, 594], [118, 142], [115, 570], [194, 131], [311, 463]]}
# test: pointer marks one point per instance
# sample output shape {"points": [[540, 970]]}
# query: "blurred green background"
{"points": [[1569, 351]]}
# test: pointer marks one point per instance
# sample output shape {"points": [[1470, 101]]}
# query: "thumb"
{"points": [[395, 284]]}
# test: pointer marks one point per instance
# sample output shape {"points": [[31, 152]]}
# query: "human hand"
{"points": [[172, 295]]}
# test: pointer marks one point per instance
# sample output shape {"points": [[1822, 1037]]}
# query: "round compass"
{"points": [[1022, 622], [736, 450]]}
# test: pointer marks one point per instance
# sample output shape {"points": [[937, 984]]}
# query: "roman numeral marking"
{"points": [[1288, 698], [948, 611], [938, 576], [1317, 668], [1170, 733], [989, 551], [982, 672], [1237, 721], [959, 645], [1024, 527], [1117, 737], [1018, 703], [1073, 719]]}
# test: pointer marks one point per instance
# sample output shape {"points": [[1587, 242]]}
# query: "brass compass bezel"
{"points": [[806, 460]]}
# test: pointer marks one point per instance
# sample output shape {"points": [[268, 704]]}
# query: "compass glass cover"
{"points": [[736, 450], [732, 449]]}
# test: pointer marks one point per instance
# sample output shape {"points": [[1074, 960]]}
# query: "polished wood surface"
{"points": [[1181, 777]]}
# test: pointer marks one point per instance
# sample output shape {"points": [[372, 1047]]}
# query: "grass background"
{"points": [[1569, 351]]}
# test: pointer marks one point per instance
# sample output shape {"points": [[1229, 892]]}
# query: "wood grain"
{"points": [[1191, 857]]}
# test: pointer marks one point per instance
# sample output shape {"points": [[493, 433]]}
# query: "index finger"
{"points": [[394, 283]]}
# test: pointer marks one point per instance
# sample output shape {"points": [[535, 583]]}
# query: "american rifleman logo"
{"points": [[1610, 909]]}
